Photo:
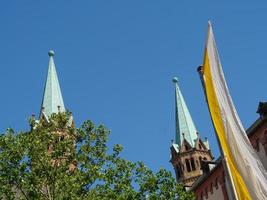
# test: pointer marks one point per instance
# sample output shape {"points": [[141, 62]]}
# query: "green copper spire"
{"points": [[185, 128], [52, 99]]}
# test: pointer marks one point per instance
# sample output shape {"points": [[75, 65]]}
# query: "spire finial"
{"points": [[51, 53], [175, 79]]}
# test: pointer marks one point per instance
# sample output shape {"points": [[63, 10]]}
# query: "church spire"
{"points": [[52, 99], [185, 127]]}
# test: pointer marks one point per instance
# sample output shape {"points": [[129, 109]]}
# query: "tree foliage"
{"points": [[57, 161]]}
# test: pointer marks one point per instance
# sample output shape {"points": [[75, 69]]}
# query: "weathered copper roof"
{"points": [[52, 98], [185, 127]]}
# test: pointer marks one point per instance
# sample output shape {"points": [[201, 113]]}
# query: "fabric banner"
{"points": [[247, 173]]}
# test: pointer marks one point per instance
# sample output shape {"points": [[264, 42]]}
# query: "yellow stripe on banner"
{"points": [[240, 187]]}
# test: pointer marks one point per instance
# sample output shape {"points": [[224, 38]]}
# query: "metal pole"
{"points": [[224, 158]]}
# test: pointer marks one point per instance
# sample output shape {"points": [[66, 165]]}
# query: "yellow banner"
{"points": [[240, 187]]}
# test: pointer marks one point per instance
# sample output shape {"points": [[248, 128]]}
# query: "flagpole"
{"points": [[224, 158]]}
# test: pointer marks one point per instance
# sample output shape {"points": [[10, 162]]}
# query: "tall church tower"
{"points": [[52, 103], [188, 150]]}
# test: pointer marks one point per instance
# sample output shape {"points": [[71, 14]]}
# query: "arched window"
{"points": [[200, 159], [186, 147], [182, 167], [178, 171], [187, 165], [193, 164], [205, 158]]}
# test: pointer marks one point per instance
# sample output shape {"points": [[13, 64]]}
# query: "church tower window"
{"points": [[193, 164], [188, 168], [178, 171]]}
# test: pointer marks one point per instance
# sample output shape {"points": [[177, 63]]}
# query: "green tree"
{"points": [[57, 161]]}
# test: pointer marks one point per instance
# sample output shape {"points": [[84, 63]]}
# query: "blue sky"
{"points": [[116, 59]]}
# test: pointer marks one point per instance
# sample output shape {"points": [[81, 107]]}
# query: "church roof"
{"points": [[185, 127], [52, 97]]}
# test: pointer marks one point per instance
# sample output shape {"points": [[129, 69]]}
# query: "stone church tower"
{"points": [[188, 150], [52, 103]]}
